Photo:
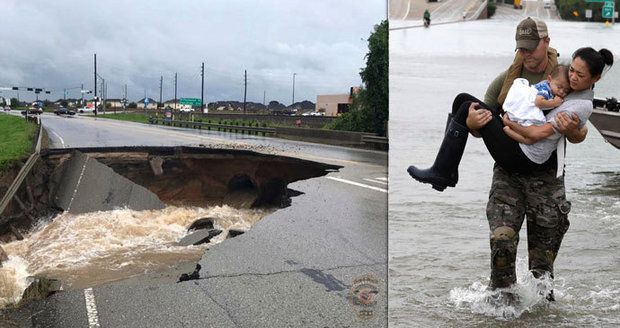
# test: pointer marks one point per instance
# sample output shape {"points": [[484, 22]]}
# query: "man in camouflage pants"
{"points": [[538, 195]]}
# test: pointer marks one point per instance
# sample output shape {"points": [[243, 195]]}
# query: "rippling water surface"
{"points": [[438, 242]]}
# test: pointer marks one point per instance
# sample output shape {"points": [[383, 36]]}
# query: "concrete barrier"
{"points": [[85, 185]]}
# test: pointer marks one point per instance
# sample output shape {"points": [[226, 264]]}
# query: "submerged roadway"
{"points": [[311, 264]]}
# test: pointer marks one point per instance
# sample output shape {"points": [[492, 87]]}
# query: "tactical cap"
{"points": [[529, 33]]}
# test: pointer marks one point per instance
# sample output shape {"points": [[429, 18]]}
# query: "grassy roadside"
{"points": [[16, 137]]}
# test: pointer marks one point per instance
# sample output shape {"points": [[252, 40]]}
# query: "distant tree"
{"points": [[132, 105], [369, 111], [491, 8], [14, 102], [64, 103], [275, 105]]}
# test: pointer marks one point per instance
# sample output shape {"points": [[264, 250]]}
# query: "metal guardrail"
{"points": [[382, 143], [219, 127], [375, 139]]}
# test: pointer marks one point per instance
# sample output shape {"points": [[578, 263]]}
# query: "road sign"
{"points": [[596, 0], [190, 101], [608, 10]]}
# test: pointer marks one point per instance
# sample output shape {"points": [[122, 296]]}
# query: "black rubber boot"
{"points": [[444, 172], [450, 116]]}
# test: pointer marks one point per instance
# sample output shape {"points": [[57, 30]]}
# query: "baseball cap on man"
{"points": [[529, 33]]}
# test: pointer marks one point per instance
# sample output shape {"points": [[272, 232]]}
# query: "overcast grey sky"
{"points": [[50, 44]]}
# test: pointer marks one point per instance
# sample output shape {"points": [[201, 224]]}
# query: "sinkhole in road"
{"points": [[95, 215]]}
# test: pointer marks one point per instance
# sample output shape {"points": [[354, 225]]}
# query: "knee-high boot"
{"points": [[444, 172]]}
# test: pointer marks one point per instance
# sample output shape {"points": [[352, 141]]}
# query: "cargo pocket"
{"points": [[549, 215], [502, 210]]}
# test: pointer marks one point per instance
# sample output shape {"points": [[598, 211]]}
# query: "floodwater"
{"points": [[94, 248], [439, 257]]}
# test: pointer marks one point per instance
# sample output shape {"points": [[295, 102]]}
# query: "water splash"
{"points": [[526, 295], [13, 280], [90, 249]]}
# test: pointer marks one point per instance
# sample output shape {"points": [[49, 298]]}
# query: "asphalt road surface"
{"points": [[312, 264]]}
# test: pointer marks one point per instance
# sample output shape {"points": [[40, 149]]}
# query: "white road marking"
{"points": [[91, 308], [382, 179], [59, 137], [375, 181], [357, 184]]}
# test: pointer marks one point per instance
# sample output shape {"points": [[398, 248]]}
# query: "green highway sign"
{"points": [[596, 0], [608, 10], [190, 101]]}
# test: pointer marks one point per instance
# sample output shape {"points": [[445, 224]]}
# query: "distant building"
{"points": [[335, 104], [114, 103], [152, 104]]}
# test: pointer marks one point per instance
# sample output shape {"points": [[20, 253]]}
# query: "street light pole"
{"points": [[95, 100]]}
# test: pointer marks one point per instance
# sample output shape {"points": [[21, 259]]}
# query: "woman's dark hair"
{"points": [[596, 60]]}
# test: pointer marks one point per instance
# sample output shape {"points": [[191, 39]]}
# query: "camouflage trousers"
{"points": [[541, 198]]}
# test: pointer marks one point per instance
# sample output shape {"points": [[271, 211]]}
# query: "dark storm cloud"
{"points": [[51, 45]]}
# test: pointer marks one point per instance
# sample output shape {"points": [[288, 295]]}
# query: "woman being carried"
{"points": [[502, 136]]}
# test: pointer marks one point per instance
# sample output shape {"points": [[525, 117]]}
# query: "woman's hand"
{"points": [[507, 122], [566, 124], [477, 118], [569, 126]]}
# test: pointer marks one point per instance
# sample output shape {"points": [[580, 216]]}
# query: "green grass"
{"points": [[133, 117], [16, 138]]}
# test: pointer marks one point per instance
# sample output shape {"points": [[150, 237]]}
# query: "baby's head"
{"points": [[558, 81]]}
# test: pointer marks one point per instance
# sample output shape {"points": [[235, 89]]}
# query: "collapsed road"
{"points": [[319, 262]]}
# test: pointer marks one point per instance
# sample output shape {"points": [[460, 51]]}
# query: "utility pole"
{"points": [[125, 99], [293, 89], [264, 94], [175, 91], [82, 93], [202, 89], [102, 93], [161, 82], [245, 88], [95, 85]]}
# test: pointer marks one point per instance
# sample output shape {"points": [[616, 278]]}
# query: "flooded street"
{"points": [[439, 242], [94, 248]]}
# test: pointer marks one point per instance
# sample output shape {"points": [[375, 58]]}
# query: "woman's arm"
{"points": [[532, 133]]}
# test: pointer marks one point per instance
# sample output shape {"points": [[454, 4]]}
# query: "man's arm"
{"points": [[532, 133], [517, 137]]}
